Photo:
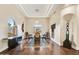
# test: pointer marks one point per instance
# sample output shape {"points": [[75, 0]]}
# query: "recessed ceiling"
{"points": [[37, 10]]}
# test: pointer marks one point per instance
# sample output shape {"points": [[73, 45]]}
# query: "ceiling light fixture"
{"points": [[37, 10]]}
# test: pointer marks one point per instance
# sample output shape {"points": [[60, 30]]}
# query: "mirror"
{"points": [[11, 27], [11, 22]]}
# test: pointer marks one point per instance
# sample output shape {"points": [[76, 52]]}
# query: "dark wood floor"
{"points": [[51, 49]]}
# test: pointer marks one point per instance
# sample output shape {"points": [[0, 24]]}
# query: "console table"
{"points": [[13, 42]]}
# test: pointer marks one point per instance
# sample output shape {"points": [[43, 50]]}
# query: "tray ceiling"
{"points": [[37, 10]]}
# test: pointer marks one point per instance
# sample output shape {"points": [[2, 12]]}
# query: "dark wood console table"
{"points": [[12, 42]]}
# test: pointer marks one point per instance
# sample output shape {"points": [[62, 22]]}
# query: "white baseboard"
{"points": [[2, 49], [76, 48], [56, 41], [3, 45]]}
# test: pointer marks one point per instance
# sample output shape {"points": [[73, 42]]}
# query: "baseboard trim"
{"points": [[76, 48], [55, 41], [4, 51]]}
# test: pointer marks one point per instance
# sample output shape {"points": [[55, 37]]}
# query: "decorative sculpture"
{"points": [[67, 43]]}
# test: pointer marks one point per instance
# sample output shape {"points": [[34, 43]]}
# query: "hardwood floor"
{"points": [[51, 49]]}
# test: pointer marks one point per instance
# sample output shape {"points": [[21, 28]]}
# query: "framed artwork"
{"points": [[52, 29]]}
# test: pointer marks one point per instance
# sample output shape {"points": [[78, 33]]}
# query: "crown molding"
{"points": [[48, 12]]}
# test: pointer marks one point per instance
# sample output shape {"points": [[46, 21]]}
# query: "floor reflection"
{"points": [[43, 43], [44, 48]]}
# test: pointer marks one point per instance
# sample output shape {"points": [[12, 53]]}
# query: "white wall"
{"points": [[75, 42], [73, 28], [55, 19], [29, 22], [60, 31], [57, 34]]}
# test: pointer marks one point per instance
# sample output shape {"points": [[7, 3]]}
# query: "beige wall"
{"points": [[29, 22], [7, 11]]}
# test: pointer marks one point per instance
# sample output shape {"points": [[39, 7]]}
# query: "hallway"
{"points": [[54, 25], [50, 49]]}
